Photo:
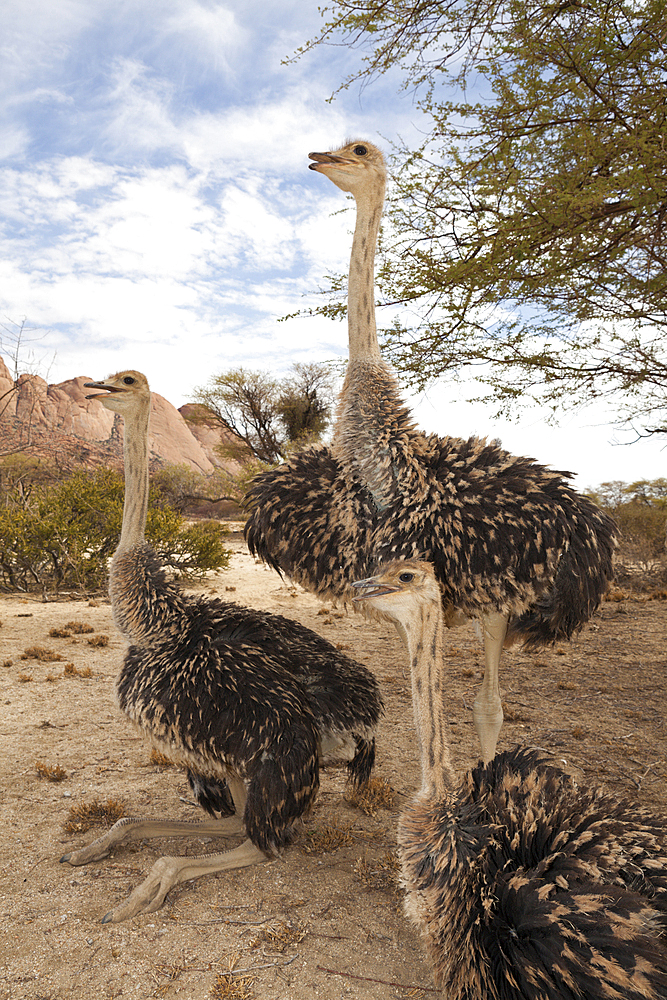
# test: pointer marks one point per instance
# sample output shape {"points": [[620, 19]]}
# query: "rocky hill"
{"points": [[58, 422]]}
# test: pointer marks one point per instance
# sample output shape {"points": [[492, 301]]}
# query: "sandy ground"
{"points": [[326, 922]]}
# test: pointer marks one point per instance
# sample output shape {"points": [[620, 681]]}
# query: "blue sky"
{"points": [[157, 211]]}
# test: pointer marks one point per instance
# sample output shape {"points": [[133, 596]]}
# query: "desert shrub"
{"points": [[640, 510], [62, 535]]}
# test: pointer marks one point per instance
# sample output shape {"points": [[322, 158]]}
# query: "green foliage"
{"points": [[63, 535], [640, 509], [527, 231]]}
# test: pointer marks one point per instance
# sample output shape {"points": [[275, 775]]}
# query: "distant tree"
{"points": [[265, 414], [526, 235], [17, 341]]}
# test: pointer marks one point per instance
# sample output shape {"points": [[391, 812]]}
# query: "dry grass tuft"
{"points": [[616, 595], [328, 838], [41, 653], [52, 772], [59, 633], [83, 815], [232, 986], [99, 640], [383, 874], [281, 934], [70, 670], [374, 794], [24, 678], [8, 663], [512, 713], [79, 628], [160, 760]]}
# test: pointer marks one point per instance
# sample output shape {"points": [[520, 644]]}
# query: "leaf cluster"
{"points": [[526, 236]]}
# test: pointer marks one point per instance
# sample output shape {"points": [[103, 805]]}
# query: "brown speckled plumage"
{"points": [[503, 532], [523, 885], [511, 542], [227, 689], [236, 695]]}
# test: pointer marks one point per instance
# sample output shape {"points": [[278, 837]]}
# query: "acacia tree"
{"points": [[528, 233], [267, 416]]}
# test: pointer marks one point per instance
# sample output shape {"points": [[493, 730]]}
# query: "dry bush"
{"points": [[71, 671], [328, 838], [160, 760], [99, 640], [281, 934], [59, 633], [79, 628], [52, 772], [374, 794], [84, 815], [382, 874], [40, 653]]}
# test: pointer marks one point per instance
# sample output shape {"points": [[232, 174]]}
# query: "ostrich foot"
{"points": [[168, 872], [139, 827]]}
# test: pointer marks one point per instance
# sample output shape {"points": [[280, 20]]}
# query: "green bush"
{"points": [[63, 535]]}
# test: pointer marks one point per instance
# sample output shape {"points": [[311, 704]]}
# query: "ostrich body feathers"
{"points": [[226, 689], [502, 532], [524, 885]]}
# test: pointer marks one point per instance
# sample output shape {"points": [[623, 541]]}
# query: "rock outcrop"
{"points": [[58, 422]]}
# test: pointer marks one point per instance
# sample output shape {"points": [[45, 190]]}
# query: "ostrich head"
{"points": [[400, 589], [352, 168], [124, 393]]}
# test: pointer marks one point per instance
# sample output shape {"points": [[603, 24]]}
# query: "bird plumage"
{"points": [[244, 700], [523, 885], [511, 541], [502, 531]]}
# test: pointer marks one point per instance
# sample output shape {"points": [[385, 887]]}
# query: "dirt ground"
{"points": [[326, 922]]}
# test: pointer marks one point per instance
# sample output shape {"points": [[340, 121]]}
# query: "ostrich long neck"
{"points": [[362, 332], [135, 450], [424, 639], [373, 424]]}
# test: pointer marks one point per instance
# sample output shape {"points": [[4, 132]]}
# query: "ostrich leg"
{"points": [[487, 711]]}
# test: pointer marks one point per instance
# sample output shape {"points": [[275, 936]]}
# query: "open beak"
{"points": [[326, 160], [100, 385], [372, 588]]}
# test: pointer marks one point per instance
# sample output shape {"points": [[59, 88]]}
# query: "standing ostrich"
{"points": [[245, 700], [511, 542], [524, 886]]}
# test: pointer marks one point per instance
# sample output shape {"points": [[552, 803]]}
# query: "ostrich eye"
{"points": [[360, 150], [406, 577], [128, 380]]}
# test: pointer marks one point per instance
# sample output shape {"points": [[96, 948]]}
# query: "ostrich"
{"points": [[523, 885], [511, 542], [245, 700]]}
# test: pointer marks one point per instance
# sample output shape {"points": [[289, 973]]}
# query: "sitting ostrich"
{"points": [[511, 542], [523, 885], [245, 700]]}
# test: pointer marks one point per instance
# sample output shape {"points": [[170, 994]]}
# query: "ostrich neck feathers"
{"points": [[374, 435], [144, 603], [423, 637], [135, 450]]}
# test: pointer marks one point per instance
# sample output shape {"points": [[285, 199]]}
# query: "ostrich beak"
{"points": [[327, 160], [371, 587], [100, 385]]}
